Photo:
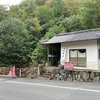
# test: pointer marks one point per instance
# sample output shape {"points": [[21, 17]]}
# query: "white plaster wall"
{"points": [[91, 52]]}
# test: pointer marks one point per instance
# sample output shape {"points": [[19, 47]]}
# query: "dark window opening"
{"points": [[54, 54], [99, 53]]}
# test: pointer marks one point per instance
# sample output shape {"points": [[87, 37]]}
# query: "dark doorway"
{"points": [[54, 54]]}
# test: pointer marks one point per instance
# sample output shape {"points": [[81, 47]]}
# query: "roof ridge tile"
{"points": [[78, 32]]}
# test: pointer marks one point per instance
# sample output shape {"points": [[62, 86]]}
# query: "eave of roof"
{"points": [[83, 35]]}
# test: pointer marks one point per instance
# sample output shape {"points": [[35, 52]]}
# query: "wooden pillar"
{"points": [[48, 54]]}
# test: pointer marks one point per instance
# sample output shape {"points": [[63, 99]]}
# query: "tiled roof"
{"points": [[83, 35]]}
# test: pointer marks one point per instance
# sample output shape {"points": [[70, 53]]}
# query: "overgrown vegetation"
{"points": [[24, 25]]}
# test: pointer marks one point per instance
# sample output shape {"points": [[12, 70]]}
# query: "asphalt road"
{"points": [[38, 89]]}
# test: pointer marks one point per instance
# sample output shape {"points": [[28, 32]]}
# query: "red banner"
{"points": [[68, 65]]}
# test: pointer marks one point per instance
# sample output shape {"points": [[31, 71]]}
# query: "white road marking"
{"points": [[55, 86]]}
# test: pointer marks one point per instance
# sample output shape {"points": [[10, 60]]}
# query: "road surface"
{"points": [[38, 89]]}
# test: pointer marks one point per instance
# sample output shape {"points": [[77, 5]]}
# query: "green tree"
{"points": [[15, 44], [3, 12], [90, 13], [72, 23], [59, 7], [72, 6], [40, 2], [33, 26], [44, 14], [34, 29], [23, 11]]}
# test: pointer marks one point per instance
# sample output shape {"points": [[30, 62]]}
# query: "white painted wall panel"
{"points": [[91, 52]]}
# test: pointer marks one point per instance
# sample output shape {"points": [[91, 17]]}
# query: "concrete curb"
{"points": [[7, 76]]}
